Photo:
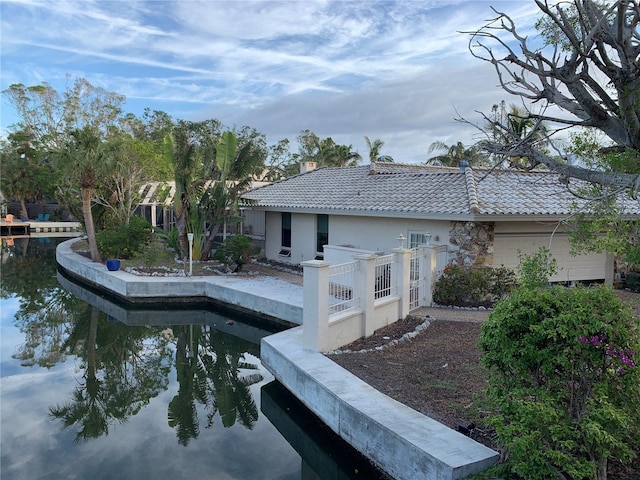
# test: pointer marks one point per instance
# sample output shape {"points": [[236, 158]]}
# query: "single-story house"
{"points": [[484, 216]]}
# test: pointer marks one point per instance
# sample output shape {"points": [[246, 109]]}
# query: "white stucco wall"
{"points": [[303, 237], [366, 233], [380, 234]]}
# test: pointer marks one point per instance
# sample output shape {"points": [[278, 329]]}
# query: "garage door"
{"points": [[590, 266]]}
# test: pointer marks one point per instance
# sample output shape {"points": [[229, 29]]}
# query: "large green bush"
{"points": [[472, 286], [124, 241], [236, 250], [565, 380]]}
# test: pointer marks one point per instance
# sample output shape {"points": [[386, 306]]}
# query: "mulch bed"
{"points": [[438, 374]]}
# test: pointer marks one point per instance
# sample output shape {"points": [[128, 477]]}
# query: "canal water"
{"points": [[94, 389]]}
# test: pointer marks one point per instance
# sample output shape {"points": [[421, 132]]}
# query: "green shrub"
{"points": [[536, 270], [472, 286], [124, 241], [236, 250], [564, 380]]}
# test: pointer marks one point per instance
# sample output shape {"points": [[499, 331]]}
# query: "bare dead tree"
{"points": [[588, 66]]}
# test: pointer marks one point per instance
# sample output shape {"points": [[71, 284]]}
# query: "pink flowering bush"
{"points": [[565, 380]]}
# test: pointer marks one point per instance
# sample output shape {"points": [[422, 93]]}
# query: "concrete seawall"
{"points": [[403, 442], [271, 297]]}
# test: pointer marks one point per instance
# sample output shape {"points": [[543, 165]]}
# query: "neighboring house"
{"points": [[485, 217], [157, 206]]}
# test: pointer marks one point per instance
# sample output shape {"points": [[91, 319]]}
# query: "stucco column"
{"points": [[315, 306], [366, 285], [403, 280]]}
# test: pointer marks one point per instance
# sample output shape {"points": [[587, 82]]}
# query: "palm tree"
{"points": [[330, 154], [85, 159], [325, 152], [180, 152], [374, 151], [454, 154], [515, 125], [235, 167], [119, 378]]}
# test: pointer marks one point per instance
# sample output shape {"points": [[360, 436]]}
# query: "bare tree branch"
{"points": [[606, 39]]}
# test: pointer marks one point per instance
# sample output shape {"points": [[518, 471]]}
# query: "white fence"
{"points": [[352, 300], [342, 280], [385, 282]]}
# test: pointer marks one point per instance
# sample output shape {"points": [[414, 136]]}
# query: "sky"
{"points": [[400, 72]]}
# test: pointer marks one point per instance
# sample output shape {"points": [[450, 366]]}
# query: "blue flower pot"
{"points": [[113, 265]]}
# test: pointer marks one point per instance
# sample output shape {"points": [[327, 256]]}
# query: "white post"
{"points": [[366, 291], [190, 237], [315, 303]]}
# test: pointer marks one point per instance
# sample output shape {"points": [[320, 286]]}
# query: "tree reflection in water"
{"points": [[211, 370], [125, 367]]}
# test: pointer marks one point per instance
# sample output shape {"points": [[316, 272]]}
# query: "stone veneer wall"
{"points": [[471, 243]]}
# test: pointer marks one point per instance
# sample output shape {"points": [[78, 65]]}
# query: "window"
{"points": [[322, 235], [286, 229], [419, 238], [285, 235]]}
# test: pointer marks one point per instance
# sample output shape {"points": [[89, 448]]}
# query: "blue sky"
{"points": [[398, 71]]}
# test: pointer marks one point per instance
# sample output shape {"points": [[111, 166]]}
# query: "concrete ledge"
{"points": [[274, 298], [405, 443]]}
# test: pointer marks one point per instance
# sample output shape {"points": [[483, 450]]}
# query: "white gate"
{"points": [[418, 273]]}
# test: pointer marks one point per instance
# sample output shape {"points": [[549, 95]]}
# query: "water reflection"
{"points": [[86, 395], [95, 389], [125, 366], [212, 371], [123, 369]]}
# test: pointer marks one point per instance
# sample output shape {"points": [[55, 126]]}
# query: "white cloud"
{"points": [[393, 70]]}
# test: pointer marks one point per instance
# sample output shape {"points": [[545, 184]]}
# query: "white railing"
{"points": [[386, 284], [342, 286], [352, 300]]}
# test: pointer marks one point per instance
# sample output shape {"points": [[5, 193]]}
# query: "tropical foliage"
{"points": [[565, 379], [236, 251], [123, 241], [374, 151], [454, 154], [472, 286]]}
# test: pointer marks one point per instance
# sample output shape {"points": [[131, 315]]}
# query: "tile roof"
{"points": [[421, 191]]}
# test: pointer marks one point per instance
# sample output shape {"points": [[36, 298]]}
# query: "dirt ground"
{"points": [[438, 372]]}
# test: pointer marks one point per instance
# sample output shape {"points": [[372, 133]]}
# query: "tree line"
{"points": [[79, 147]]}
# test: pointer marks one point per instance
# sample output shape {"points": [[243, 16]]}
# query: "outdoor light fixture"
{"points": [[190, 237], [427, 239], [400, 240]]}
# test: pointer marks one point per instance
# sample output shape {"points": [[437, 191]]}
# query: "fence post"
{"points": [[315, 305], [366, 286], [403, 280], [430, 264]]}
